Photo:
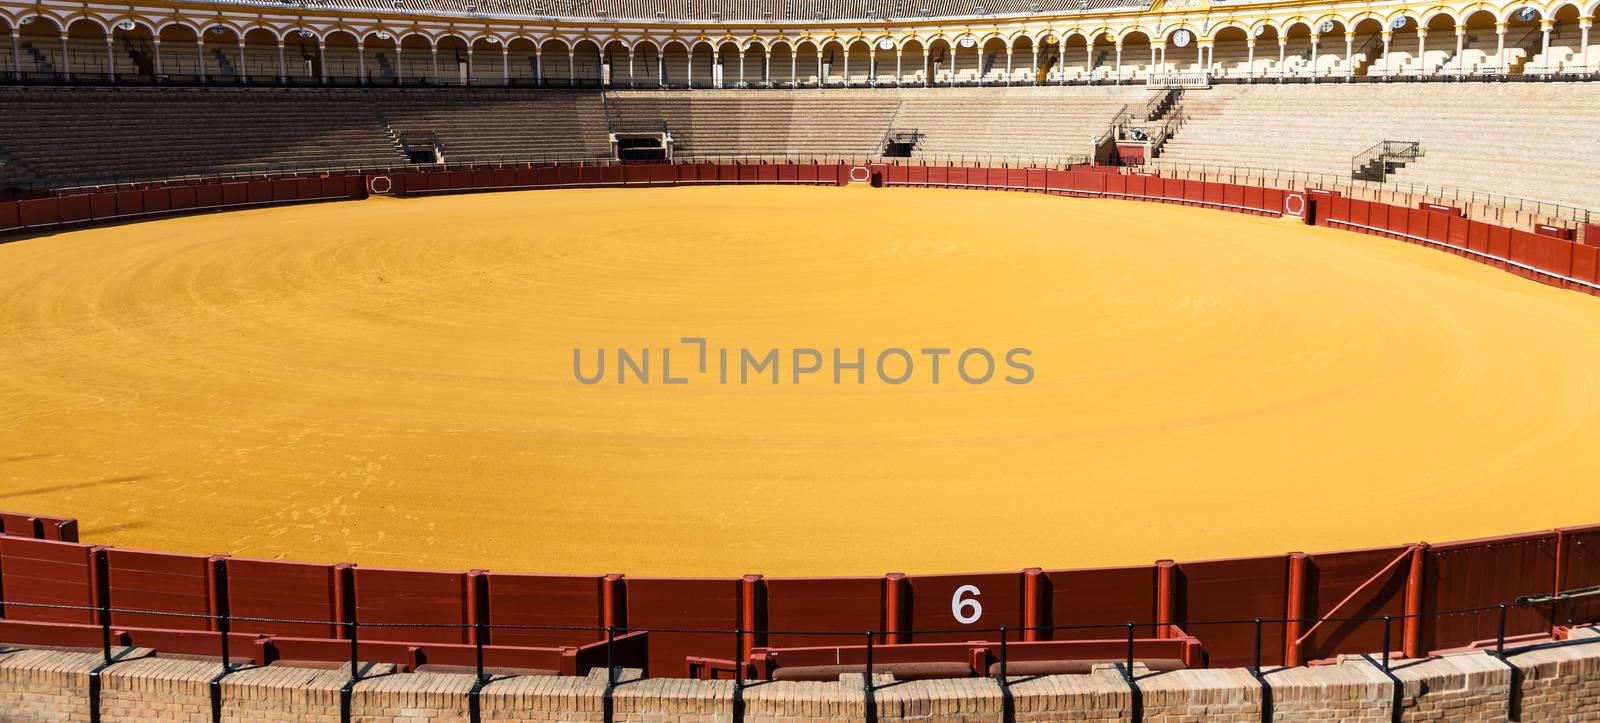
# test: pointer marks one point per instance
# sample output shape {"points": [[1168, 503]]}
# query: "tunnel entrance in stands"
{"points": [[653, 144], [900, 143]]}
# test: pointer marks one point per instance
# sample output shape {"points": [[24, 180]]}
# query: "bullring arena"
{"points": [[653, 361]]}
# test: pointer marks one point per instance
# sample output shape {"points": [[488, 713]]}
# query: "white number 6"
{"points": [[966, 609]]}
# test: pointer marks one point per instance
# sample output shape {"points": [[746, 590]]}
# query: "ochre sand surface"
{"points": [[389, 382]]}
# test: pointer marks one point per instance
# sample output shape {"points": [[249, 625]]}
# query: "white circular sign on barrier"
{"points": [[380, 185], [886, 44], [1182, 38], [860, 174], [1294, 205], [968, 42], [966, 609]]}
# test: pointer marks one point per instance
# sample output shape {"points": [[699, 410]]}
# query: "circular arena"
{"points": [[1135, 361]]}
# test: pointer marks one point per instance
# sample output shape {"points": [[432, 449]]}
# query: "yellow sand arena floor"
{"points": [[390, 382]]}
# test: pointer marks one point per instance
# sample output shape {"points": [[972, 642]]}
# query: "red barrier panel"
{"points": [[725, 173], [43, 572], [1358, 583], [233, 194], [917, 175], [291, 590], [1254, 197], [1271, 202], [944, 602], [1585, 262], [568, 175], [1017, 177], [1591, 234], [9, 216], [285, 190], [788, 172], [260, 191], [1057, 180], [1460, 229], [1234, 590], [748, 174], [1500, 242], [335, 187], [1525, 248], [1483, 573], [1580, 568], [767, 173], [72, 209], [1101, 595], [592, 175], [1233, 195], [308, 188], [160, 582], [1116, 184], [1034, 178], [546, 600], [182, 198], [635, 175], [37, 212], [1438, 226], [806, 173], [547, 176], [1556, 256], [1418, 222], [957, 176], [683, 603], [413, 596], [1089, 182], [526, 176], [822, 604], [611, 175], [830, 174], [482, 179], [157, 200], [1214, 193], [1478, 236]]}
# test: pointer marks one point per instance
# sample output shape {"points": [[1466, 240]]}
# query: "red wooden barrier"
{"points": [[547, 600], [1101, 595], [289, 590], [1478, 573], [161, 582], [44, 572], [413, 596], [1354, 584], [1238, 589], [822, 604], [955, 602], [684, 603]]}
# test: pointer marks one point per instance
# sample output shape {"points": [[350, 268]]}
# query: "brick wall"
{"points": [[1559, 682]]}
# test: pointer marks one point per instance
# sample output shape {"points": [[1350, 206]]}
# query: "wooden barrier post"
{"points": [[895, 618], [1166, 596], [752, 616], [1411, 635], [1299, 565], [1034, 604]]}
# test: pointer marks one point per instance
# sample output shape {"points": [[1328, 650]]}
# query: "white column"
{"points": [[766, 65], [538, 65], [1283, 49], [742, 82], [471, 69], [322, 61], [630, 67], [361, 62], [1544, 27], [1008, 65], [821, 80], [244, 75], [399, 63], [65, 71], [1315, 38], [505, 64], [1500, 46], [1461, 41], [156, 40], [1250, 60], [690, 69], [16, 54], [111, 58], [794, 68], [283, 72], [1583, 52], [1119, 62], [1349, 55], [572, 67], [1154, 56], [846, 67], [1422, 51], [1036, 79], [872, 66], [433, 67], [897, 67]]}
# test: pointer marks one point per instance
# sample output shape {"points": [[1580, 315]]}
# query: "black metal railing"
{"points": [[223, 625]]}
